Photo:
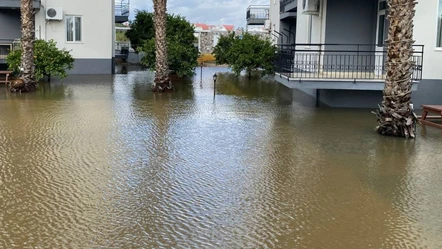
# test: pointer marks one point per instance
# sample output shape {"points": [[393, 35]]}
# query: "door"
{"points": [[381, 36]]}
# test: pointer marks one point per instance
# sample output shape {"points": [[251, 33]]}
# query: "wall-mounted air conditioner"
{"points": [[54, 13], [311, 7], [267, 25]]}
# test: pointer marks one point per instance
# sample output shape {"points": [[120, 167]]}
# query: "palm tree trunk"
{"points": [[161, 82], [27, 46], [396, 116]]}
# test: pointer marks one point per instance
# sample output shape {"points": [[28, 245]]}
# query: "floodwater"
{"points": [[102, 162]]}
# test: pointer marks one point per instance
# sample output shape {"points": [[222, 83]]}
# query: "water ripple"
{"points": [[101, 162]]}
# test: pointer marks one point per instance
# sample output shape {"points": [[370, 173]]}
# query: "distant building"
{"points": [[208, 35]]}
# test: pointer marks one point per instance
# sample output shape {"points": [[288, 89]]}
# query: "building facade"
{"points": [[208, 35], [334, 50], [86, 28]]}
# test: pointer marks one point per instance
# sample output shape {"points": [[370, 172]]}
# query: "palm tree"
{"points": [[396, 116], [162, 80], [27, 68]]}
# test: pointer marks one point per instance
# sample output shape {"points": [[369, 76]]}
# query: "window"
{"points": [[382, 28], [73, 28], [439, 25]]}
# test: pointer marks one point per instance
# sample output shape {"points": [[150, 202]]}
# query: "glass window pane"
{"points": [[381, 27], [382, 5], [69, 28], [439, 25], [78, 29]]}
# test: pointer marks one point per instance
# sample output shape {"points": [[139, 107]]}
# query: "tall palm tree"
{"points": [[161, 63], [396, 116], [27, 45]]}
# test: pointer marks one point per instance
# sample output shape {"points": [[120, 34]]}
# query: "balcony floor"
{"points": [[365, 81]]}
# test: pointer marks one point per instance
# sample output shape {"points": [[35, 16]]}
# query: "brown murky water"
{"points": [[101, 162]]}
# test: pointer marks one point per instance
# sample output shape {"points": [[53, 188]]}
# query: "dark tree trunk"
{"points": [[162, 81], [27, 46], [396, 117]]}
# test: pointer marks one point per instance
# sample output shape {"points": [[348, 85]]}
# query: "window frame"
{"points": [[438, 45], [74, 27]]}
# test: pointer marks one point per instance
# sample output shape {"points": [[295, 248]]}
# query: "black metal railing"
{"points": [[339, 61], [6, 46], [284, 3], [257, 12], [122, 7]]}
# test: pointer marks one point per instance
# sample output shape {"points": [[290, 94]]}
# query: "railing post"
{"points": [[319, 60]]}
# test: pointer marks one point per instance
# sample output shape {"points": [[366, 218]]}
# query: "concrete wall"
{"points": [[97, 32], [10, 24], [350, 98], [429, 93], [274, 20], [425, 33], [92, 66], [317, 25]]}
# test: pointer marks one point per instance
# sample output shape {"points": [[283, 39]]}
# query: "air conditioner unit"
{"points": [[311, 7], [267, 25], [54, 13]]}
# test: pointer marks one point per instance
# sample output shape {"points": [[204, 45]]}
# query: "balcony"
{"points": [[288, 6], [122, 10], [15, 4], [257, 14], [338, 66]]}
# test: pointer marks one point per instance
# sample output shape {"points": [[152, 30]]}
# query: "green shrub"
{"points": [[49, 60]]}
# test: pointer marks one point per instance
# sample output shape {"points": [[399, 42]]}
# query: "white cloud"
{"points": [[205, 11]]}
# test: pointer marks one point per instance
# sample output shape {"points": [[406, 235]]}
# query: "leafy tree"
{"points": [[142, 29], [222, 49], [49, 60], [182, 54], [250, 52]]}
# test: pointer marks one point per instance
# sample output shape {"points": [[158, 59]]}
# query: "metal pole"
{"points": [[201, 81], [214, 88]]}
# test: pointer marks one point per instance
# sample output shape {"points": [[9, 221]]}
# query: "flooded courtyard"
{"points": [[102, 162]]}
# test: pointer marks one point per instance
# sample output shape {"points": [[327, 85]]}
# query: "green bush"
{"points": [[49, 60], [249, 52]]}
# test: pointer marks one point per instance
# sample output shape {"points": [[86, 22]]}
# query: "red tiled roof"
{"points": [[202, 26], [229, 27]]}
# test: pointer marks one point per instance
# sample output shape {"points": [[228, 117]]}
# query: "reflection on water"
{"points": [[100, 161]]}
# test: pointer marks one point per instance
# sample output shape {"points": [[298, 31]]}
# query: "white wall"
{"points": [[317, 29], [425, 33], [97, 27], [274, 19]]}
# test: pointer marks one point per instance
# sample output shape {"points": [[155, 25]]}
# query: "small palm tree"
{"points": [[396, 116], [162, 81], [27, 45]]}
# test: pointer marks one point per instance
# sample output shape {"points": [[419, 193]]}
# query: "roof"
{"points": [[202, 26], [229, 27]]}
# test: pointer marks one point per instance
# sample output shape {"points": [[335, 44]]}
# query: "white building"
{"points": [[334, 49], [85, 27], [208, 35]]}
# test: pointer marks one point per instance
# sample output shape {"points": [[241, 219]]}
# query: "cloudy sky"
{"points": [[204, 11]]}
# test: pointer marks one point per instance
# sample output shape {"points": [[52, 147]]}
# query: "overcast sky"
{"points": [[204, 11]]}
